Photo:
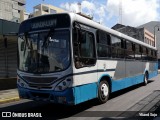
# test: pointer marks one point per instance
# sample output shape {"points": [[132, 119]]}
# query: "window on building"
{"points": [[53, 11]]}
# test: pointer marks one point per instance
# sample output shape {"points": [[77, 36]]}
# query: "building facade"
{"points": [[154, 28], [149, 37], [140, 33], [43, 9], [10, 9]]}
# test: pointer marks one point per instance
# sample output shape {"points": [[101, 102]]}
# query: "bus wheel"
{"points": [[103, 92], [145, 79]]}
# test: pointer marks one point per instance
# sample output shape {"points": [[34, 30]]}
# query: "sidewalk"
{"points": [[8, 95]]}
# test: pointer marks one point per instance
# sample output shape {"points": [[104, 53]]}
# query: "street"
{"points": [[138, 98]]}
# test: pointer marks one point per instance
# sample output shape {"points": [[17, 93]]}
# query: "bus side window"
{"points": [[123, 47], [87, 45], [149, 55], [116, 47], [76, 42], [144, 54], [103, 42], [155, 55], [86, 49], [137, 52], [129, 50]]}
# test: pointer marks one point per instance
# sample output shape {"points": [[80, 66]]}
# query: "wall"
{"points": [[8, 51]]}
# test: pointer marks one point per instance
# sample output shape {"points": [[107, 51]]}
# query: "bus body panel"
{"points": [[134, 74]]}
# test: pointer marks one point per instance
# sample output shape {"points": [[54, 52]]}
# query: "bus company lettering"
{"points": [[34, 115], [43, 24], [148, 114], [26, 114]]}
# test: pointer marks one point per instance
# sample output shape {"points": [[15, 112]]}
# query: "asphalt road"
{"points": [[136, 99]]}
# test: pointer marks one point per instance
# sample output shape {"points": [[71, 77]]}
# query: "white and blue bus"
{"points": [[68, 59]]}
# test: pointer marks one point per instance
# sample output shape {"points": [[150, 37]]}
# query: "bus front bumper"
{"points": [[63, 97]]}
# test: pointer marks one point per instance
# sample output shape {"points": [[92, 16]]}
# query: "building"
{"points": [[149, 37], [154, 27], [23, 15], [9, 25], [10, 9], [43, 9], [140, 33]]}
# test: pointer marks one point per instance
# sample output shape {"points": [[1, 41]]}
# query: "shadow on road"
{"points": [[56, 111]]}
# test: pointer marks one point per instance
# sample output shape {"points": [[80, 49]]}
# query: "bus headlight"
{"points": [[21, 83], [63, 84]]}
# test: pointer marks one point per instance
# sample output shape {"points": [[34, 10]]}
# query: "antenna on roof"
{"points": [[79, 7]]}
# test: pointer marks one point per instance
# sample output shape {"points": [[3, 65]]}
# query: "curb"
{"points": [[9, 100]]}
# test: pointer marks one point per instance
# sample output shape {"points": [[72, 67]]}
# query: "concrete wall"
{"points": [[42, 9], [10, 9], [8, 51]]}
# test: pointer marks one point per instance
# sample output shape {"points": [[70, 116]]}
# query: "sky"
{"points": [[106, 12]]}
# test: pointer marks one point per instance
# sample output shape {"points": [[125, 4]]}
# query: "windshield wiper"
{"points": [[26, 42], [46, 38]]}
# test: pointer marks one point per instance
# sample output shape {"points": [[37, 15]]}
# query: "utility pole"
{"points": [[120, 11]]}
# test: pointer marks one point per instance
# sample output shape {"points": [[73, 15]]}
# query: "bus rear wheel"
{"points": [[103, 92], [145, 79]]}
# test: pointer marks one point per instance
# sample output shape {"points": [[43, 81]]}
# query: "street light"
{"points": [[155, 34]]}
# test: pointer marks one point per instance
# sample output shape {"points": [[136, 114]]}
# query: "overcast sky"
{"points": [[134, 12]]}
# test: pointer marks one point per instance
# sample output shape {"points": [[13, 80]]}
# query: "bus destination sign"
{"points": [[44, 24]]}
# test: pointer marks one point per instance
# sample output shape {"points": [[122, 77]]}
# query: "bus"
{"points": [[69, 59]]}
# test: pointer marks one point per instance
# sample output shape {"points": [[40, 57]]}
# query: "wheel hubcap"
{"points": [[145, 79], [104, 90]]}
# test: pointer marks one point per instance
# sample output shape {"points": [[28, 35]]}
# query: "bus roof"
{"points": [[83, 20]]}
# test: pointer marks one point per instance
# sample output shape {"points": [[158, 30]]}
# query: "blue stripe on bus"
{"points": [[85, 92], [156, 67], [130, 81], [73, 95], [89, 91], [126, 82], [153, 74], [52, 95]]}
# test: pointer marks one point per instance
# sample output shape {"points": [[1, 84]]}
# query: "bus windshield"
{"points": [[41, 52]]}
